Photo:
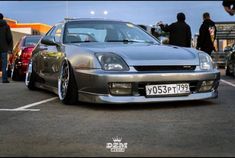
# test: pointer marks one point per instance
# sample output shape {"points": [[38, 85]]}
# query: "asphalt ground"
{"points": [[192, 128]]}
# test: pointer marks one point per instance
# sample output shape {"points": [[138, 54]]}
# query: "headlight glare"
{"points": [[112, 62]]}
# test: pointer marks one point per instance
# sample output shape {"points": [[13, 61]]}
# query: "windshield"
{"points": [[105, 31]]}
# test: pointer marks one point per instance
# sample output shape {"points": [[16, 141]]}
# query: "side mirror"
{"points": [[49, 40]]}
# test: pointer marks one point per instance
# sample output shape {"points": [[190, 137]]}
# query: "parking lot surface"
{"points": [[36, 123]]}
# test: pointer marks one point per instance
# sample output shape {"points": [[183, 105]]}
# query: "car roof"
{"points": [[90, 19], [26, 36]]}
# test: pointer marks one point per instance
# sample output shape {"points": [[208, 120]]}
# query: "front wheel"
{"points": [[67, 87], [234, 70], [227, 70], [30, 77]]}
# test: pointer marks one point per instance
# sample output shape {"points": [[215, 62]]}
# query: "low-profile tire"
{"points": [[15, 74], [227, 72], [67, 87], [30, 77]]}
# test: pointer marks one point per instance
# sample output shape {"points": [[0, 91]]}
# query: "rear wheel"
{"points": [[15, 76], [30, 77], [234, 70], [227, 73], [67, 87], [9, 71]]}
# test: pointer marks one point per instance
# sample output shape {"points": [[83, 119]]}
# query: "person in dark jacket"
{"points": [[179, 32], [229, 6], [6, 46], [207, 35]]}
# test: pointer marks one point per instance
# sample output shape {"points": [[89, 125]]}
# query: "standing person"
{"points": [[179, 32], [6, 45], [207, 35], [229, 6]]}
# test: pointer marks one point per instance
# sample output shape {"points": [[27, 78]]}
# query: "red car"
{"points": [[19, 59]]}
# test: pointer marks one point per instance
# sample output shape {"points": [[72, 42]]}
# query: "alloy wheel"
{"points": [[63, 81], [28, 74]]}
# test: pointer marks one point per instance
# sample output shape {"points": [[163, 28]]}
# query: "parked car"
{"points": [[19, 59], [220, 57], [230, 64], [118, 62]]}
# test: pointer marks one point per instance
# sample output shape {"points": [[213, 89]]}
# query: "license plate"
{"points": [[167, 89]]}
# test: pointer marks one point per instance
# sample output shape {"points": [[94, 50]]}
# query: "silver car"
{"points": [[108, 61]]}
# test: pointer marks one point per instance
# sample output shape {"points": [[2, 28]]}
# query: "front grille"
{"points": [[194, 86], [165, 68]]}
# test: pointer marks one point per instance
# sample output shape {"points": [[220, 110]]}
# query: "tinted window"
{"points": [[31, 41], [104, 31]]}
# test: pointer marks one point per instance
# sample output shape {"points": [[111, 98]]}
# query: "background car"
{"points": [[19, 59], [230, 64], [108, 61], [220, 57]]}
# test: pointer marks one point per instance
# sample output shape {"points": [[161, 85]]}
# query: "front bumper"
{"points": [[93, 85], [98, 98]]}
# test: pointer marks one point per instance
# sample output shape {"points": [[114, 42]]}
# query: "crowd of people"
{"points": [[180, 31], [179, 34]]}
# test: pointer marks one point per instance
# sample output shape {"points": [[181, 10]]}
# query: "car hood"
{"points": [[146, 54]]}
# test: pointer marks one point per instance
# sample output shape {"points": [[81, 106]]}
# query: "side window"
{"points": [[57, 32]]}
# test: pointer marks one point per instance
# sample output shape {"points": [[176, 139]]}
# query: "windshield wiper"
{"points": [[131, 41], [82, 41]]}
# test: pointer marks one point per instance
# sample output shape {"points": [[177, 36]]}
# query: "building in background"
{"points": [[225, 35], [21, 29], [28, 28]]}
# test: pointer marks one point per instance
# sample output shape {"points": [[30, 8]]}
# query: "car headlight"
{"points": [[112, 62], [206, 62]]}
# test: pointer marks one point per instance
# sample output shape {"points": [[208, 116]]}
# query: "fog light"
{"points": [[120, 88], [206, 86]]}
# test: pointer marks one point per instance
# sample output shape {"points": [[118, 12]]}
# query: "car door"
{"points": [[38, 57], [52, 57]]}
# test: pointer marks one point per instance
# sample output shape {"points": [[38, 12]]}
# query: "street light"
{"points": [[105, 12], [92, 12]]}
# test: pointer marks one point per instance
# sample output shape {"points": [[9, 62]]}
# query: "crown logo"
{"points": [[117, 139]]}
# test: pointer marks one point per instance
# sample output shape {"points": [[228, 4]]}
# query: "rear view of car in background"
{"points": [[221, 57], [230, 64], [19, 59]]}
